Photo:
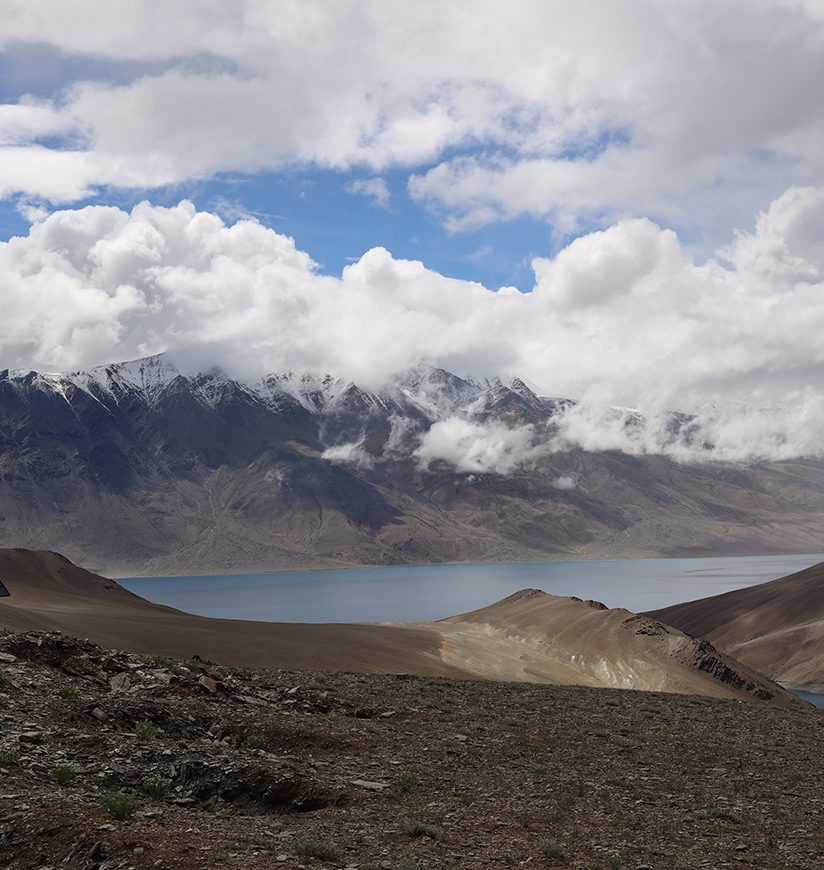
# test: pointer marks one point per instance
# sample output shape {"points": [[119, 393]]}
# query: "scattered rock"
{"points": [[120, 682], [369, 784], [208, 683]]}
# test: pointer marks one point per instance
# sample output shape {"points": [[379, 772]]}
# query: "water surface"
{"points": [[816, 700], [424, 592]]}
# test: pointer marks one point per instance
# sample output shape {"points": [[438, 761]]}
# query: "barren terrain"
{"points": [[776, 627], [114, 761], [529, 636]]}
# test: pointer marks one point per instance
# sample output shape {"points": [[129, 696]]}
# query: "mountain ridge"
{"points": [[136, 468]]}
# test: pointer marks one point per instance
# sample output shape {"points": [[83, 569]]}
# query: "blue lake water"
{"points": [[815, 700], [424, 592]]}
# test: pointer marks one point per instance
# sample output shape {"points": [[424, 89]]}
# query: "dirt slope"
{"points": [[776, 627], [546, 638], [530, 636], [47, 592]]}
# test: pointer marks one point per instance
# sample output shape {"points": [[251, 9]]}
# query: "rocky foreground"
{"points": [[113, 760]]}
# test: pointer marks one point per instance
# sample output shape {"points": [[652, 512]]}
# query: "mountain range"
{"points": [[145, 468]]}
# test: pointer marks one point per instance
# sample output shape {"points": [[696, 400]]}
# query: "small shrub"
{"points": [[145, 729], [68, 693], [413, 828], [160, 661], [63, 774], [406, 781], [318, 849], [9, 756], [118, 805], [552, 849], [195, 665], [615, 862], [156, 787], [524, 819], [5, 631], [255, 741]]}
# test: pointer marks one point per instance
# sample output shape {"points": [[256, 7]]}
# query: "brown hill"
{"points": [[530, 637], [546, 638], [776, 627]]}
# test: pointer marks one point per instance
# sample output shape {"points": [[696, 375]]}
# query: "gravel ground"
{"points": [[111, 760]]}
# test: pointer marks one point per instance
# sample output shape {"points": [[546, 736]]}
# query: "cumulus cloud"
{"points": [[622, 316], [374, 188], [586, 111]]}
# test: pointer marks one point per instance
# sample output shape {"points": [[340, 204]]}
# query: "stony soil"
{"points": [[297, 769]]}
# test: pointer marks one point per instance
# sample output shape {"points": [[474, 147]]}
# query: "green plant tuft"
{"points": [[63, 774], [156, 787], [146, 730], [119, 806]]}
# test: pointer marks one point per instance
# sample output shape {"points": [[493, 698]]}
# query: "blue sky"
{"points": [[311, 204], [655, 195]]}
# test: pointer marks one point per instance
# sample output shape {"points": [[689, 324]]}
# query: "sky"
{"points": [[623, 203]]}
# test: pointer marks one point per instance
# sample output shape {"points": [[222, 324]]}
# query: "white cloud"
{"points": [[352, 453], [565, 483], [620, 316], [374, 188], [586, 111], [469, 446]]}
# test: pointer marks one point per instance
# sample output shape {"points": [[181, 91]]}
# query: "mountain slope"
{"points": [[526, 637], [547, 638], [138, 468], [776, 627]]}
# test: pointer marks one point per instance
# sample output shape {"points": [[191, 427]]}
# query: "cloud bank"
{"points": [[621, 316], [586, 111]]}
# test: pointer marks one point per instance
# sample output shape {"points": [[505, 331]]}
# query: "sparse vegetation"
{"points": [[9, 756], [317, 849], [119, 805], [157, 787], [146, 729], [543, 791], [195, 665], [255, 741], [5, 631], [406, 781], [524, 820], [552, 850], [68, 693], [63, 774], [414, 828]]}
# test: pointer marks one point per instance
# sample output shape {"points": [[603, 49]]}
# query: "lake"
{"points": [[424, 592]]}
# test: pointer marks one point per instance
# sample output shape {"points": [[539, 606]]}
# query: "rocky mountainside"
{"points": [[776, 627], [140, 468], [113, 760]]}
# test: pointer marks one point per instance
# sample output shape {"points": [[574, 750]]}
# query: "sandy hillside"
{"points": [[776, 627], [531, 636]]}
